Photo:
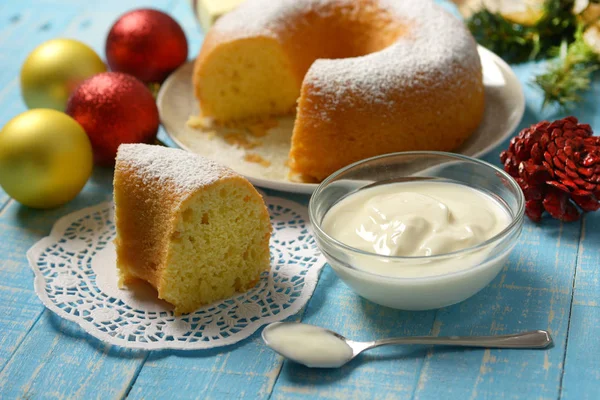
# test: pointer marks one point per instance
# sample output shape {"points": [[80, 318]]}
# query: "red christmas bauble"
{"points": [[114, 108], [147, 44]]}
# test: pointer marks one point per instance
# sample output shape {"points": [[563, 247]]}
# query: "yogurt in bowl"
{"points": [[417, 230]]}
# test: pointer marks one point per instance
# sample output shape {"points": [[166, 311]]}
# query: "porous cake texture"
{"points": [[195, 230]]}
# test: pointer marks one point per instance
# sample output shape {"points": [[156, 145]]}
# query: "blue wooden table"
{"points": [[551, 281]]}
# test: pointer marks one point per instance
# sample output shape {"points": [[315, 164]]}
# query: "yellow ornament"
{"points": [[45, 158], [54, 69]]}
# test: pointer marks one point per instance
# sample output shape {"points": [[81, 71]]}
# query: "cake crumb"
{"points": [[261, 128], [256, 158], [200, 122], [256, 126], [240, 140]]}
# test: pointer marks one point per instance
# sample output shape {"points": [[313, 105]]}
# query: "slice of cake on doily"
{"points": [[193, 229]]}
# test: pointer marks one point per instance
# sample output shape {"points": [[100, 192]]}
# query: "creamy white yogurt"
{"points": [[307, 344], [416, 219]]}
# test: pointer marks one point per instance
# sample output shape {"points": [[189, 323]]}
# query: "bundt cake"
{"points": [[368, 76], [193, 229]]}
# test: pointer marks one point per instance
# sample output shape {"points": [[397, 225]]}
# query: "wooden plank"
{"points": [[533, 291], [59, 360], [21, 30], [4, 199], [19, 34], [19, 311], [587, 281], [20, 228], [249, 369], [246, 370], [41, 354], [382, 373], [581, 378]]}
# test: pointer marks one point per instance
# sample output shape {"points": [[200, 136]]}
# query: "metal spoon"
{"points": [[317, 347]]}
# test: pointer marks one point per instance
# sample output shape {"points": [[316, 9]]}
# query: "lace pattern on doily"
{"points": [[75, 276]]}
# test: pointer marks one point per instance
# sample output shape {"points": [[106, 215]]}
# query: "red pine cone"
{"points": [[557, 166]]}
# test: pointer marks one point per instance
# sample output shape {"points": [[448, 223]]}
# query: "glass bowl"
{"points": [[478, 265]]}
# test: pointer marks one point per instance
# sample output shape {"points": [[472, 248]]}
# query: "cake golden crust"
{"points": [[372, 76], [194, 230]]}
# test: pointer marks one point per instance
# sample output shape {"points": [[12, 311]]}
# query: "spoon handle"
{"points": [[527, 340]]}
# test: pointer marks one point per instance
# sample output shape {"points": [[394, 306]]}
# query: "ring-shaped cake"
{"points": [[368, 77]]}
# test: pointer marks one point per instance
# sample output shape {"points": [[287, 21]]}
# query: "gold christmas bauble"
{"points": [[54, 69], [45, 158]]}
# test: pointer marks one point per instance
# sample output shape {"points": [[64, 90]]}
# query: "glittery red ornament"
{"points": [[114, 108], [147, 44]]}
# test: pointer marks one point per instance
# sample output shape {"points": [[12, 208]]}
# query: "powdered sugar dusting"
{"points": [[435, 50], [267, 17], [183, 171]]}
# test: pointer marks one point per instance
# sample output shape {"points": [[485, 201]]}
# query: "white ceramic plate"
{"points": [[504, 108]]}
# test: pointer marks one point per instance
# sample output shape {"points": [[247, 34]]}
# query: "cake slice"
{"points": [[195, 230]]}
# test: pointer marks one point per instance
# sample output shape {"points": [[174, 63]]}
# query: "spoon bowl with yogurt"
{"points": [[318, 347]]}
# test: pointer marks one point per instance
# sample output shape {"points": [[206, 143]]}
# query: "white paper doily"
{"points": [[76, 277]]}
